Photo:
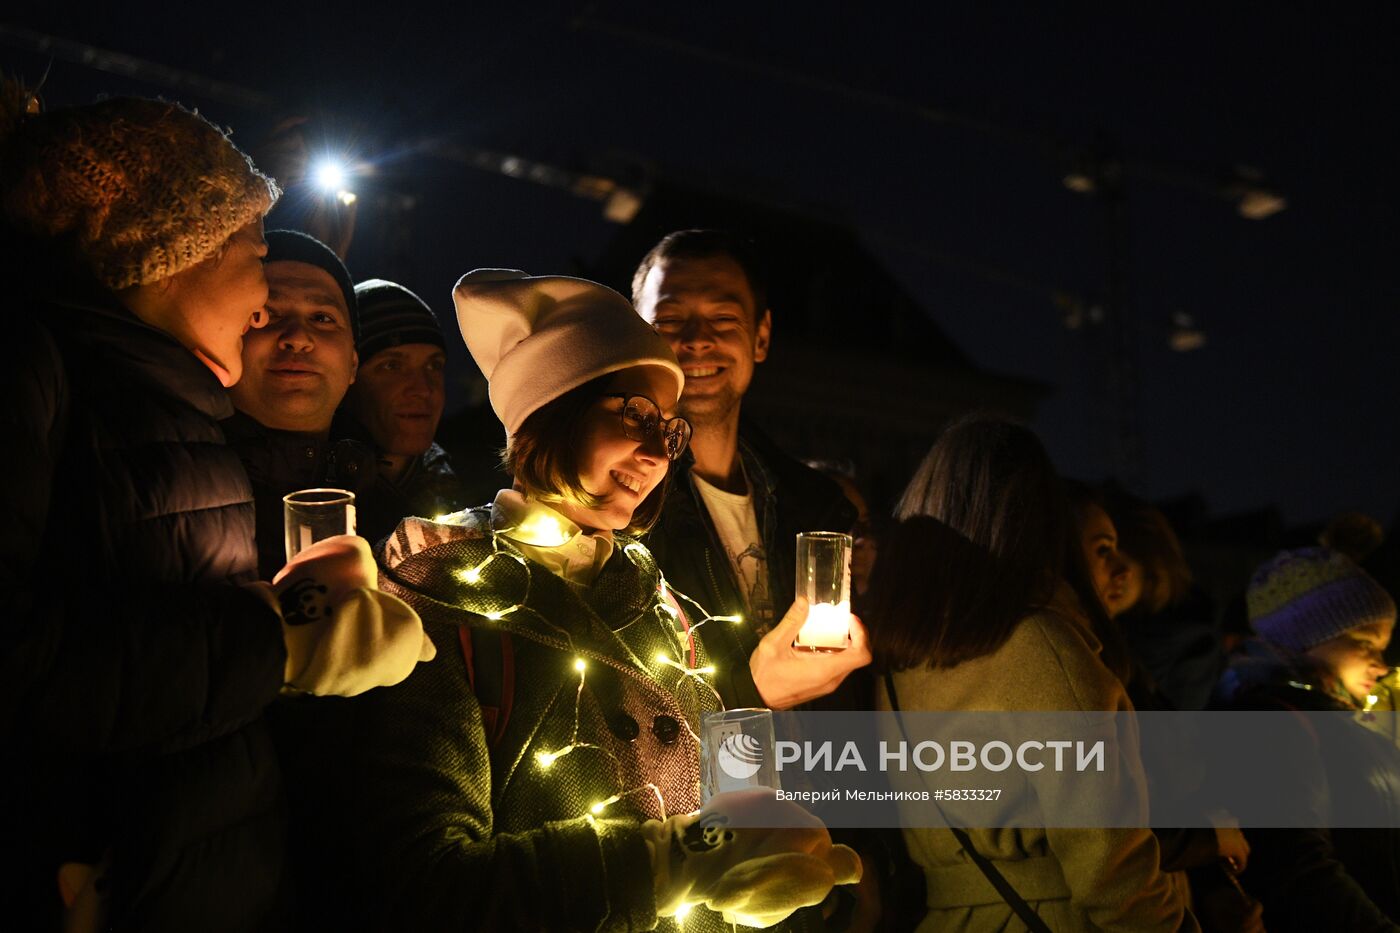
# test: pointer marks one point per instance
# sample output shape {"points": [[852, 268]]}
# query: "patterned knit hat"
{"points": [[143, 188], [391, 316], [1305, 597]]}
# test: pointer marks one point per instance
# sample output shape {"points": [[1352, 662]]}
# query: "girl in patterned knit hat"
{"points": [[140, 652], [1317, 608], [1322, 625]]}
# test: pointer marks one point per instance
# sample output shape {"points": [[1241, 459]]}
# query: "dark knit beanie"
{"points": [[295, 246], [391, 316], [1305, 597]]}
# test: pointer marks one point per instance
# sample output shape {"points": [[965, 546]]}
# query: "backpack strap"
{"points": [[490, 659]]}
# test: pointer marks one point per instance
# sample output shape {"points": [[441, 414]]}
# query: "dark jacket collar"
{"points": [[98, 324]]}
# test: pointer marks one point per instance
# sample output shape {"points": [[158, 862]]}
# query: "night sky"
{"points": [[1292, 399]]}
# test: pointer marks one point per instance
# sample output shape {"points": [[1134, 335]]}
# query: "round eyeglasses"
{"points": [[641, 421]]}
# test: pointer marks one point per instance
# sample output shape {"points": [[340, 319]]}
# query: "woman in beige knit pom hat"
{"points": [[141, 654], [544, 773]]}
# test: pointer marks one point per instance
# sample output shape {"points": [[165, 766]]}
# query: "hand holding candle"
{"points": [[787, 676]]}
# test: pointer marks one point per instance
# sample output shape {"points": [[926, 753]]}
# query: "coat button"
{"points": [[666, 729], [623, 726]]}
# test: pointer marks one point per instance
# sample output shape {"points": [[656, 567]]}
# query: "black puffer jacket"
{"points": [[135, 671]]}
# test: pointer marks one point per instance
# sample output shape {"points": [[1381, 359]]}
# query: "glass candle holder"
{"points": [[737, 752], [311, 515], [824, 577]]}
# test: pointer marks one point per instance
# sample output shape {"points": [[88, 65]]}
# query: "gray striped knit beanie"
{"points": [[391, 316]]}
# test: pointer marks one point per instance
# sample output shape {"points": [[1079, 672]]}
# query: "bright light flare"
{"points": [[329, 175]]}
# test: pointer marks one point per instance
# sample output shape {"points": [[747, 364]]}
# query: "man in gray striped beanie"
{"points": [[397, 401]]}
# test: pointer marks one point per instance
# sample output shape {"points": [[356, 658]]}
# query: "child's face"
{"points": [[1354, 657]]}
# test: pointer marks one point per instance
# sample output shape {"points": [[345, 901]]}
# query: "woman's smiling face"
{"points": [[619, 471]]}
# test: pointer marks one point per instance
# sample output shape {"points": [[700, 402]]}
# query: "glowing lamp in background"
{"points": [[824, 577], [330, 176]]}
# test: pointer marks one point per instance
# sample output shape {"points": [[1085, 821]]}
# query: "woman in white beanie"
{"points": [[530, 779]]}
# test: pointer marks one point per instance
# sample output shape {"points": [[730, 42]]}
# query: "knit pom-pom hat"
{"points": [[1303, 598], [142, 189]]}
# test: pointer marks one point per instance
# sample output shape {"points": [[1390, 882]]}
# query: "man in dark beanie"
{"points": [[396, 403], [295, 374]]}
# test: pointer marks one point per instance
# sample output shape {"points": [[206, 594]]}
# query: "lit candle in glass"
{"points": [[824, 577]]}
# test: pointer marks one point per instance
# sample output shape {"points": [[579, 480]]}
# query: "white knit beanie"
{"points": [[537, 337]]}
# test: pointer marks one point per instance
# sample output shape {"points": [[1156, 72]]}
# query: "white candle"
{"points": [[828, 626]]}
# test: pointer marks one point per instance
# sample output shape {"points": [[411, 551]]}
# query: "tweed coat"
{"points": [[452, 830]]}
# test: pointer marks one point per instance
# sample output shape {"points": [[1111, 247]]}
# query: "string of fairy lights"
{"points": [[479, 578]]}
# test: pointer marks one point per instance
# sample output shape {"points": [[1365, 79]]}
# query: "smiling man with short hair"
{"points": [[736, 501]]}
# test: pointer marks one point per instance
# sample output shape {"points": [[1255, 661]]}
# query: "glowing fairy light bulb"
{"points": [[682, 911], [1371, 700], [541, 529], [471, 575], [736, 619], [580, 665], [602, 805], [547, 759]]}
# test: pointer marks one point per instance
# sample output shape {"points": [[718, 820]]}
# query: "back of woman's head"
{"points": [[991, 481], [982, 540]]}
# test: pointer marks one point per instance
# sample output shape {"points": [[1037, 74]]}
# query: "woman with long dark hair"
{"points": [[981, 602]]}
